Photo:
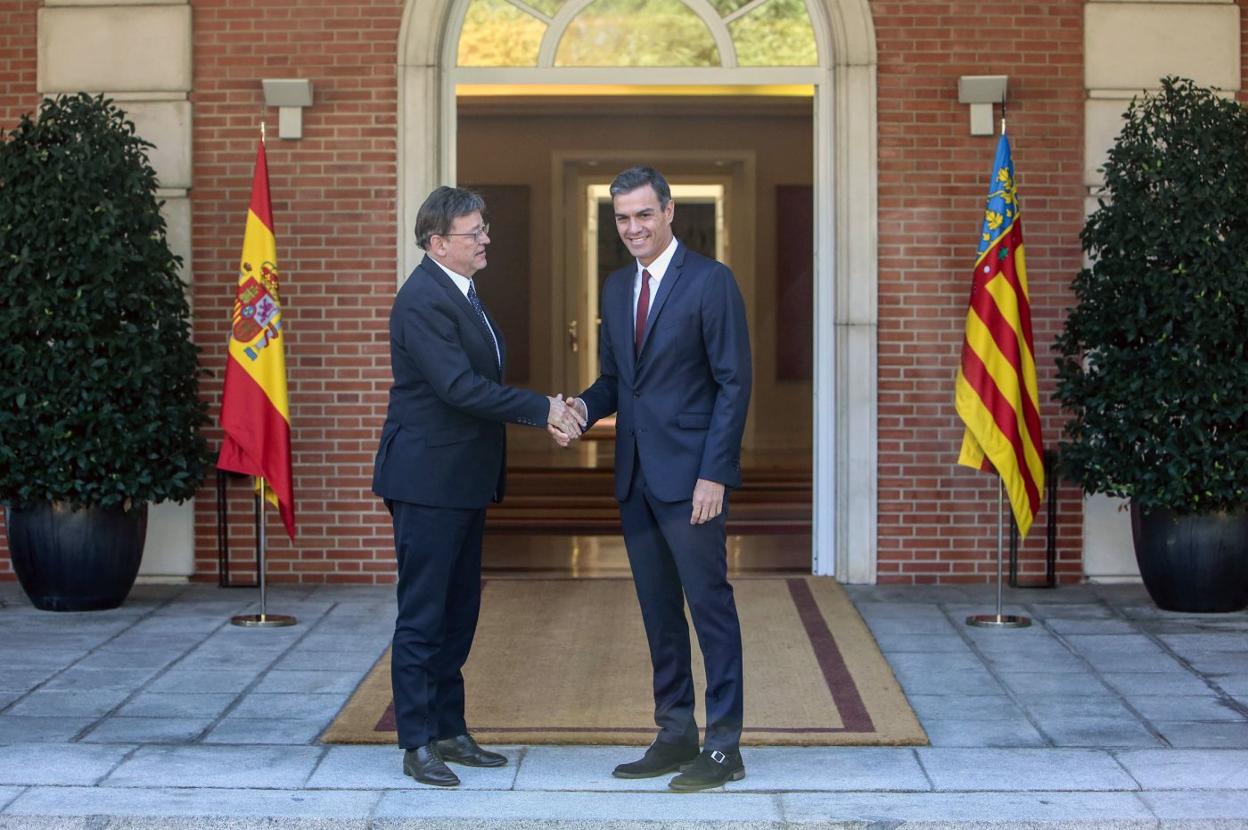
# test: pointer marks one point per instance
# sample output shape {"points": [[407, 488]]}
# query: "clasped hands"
{"points": [[568, 417], [566, 420]]}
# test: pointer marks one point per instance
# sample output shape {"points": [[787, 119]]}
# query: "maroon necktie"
{"points": [[643, 309]]}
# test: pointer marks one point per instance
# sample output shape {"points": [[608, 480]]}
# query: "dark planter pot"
{"points": [[1196, 564], [76, 560]]}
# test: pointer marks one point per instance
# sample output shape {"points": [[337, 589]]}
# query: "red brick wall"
{"points": [[18, 59], [1243, 50], [334, 202], [937, 521]]}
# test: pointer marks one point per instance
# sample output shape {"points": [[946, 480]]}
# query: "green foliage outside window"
{"points": [[655, 33], [777, 33], [496, 33], [727, 7], [637, 33], [547, 7]]}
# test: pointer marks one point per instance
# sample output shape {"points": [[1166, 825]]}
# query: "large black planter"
{"points": [[76, 560], [1192, 563]]}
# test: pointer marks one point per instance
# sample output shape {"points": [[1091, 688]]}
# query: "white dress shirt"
{"points": [[657, 269], [463, 284]]}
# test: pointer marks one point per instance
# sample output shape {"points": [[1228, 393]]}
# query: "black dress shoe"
{"points": [[425, 765], [465, 750], [660, 759], [712, 769]]}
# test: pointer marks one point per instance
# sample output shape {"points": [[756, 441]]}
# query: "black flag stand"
{"points": [[265, 619], [999, 620]]}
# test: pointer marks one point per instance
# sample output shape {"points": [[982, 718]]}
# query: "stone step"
{"points": [[544, 500], [85, 808]]}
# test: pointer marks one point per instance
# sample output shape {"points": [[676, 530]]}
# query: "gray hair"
{"points": [[635, 177], [442, 207]]}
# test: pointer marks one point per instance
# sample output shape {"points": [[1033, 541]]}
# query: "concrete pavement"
{"points": [[1106, 713]]}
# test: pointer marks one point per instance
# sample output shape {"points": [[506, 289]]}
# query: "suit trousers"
{"points": [[439, 594], [672, 561]]}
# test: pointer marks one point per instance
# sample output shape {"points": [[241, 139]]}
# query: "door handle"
{"points": [[574, 342]]}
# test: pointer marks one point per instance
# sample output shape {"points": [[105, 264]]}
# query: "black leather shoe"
{"points": [[711, 769], [465, 750], [425, 765], [660, 759]]}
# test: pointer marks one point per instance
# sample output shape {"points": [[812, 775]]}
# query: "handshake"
{"points": [[567, 419]]}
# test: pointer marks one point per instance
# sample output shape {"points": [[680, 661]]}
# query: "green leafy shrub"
{"points": [[99, 397], [1153, 365]]}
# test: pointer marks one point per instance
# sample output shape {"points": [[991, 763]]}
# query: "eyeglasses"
{"points": [[477, 235]]}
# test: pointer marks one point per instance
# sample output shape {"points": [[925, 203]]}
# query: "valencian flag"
{"points": [[996, 386], [255, 411]]}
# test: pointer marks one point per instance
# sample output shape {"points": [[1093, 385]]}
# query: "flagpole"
{"points": [[259, 249], [999, 620], [263, 619], [262, 537]]}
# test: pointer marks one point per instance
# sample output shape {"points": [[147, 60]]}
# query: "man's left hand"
{"points": [[708, 501]]}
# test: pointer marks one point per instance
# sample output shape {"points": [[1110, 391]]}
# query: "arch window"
{"points": [[636, 33]]}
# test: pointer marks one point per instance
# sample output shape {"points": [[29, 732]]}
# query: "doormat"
{"points": [[564, 661]]}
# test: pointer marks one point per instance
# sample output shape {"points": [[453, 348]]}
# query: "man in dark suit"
{"points": [[442, 458], [675, 364]]}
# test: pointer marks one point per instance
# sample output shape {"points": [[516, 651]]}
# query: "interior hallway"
{"points": [[560, 516]]}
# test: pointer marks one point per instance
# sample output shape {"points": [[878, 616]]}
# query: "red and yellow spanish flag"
{"points": [[255, 411], [996, 387]]}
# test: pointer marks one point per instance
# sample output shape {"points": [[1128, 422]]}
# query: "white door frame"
{"points": [[846, 231]]}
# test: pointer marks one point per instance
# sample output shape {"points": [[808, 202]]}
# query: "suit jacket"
{"points": [[444, 442], [682, 402]]}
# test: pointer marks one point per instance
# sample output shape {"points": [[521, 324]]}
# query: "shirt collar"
{"points": [[462, 283], [659, 267]]}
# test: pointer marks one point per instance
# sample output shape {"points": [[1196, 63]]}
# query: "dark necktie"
{"points": [[643, 310], [476, 303]]}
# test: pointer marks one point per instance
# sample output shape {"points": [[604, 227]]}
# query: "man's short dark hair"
{"points": [[440, 210], [635, 177]]}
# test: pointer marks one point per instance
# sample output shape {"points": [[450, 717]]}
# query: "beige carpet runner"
{"points": [[564, 661]]}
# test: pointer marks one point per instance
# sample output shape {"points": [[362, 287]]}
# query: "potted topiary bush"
{"points": [[1154, 364], [99, 405]]}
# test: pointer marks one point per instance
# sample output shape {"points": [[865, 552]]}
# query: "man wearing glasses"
{"points": [[441, 459]]}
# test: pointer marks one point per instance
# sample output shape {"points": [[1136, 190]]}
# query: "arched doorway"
{"points": [[841, 78]]}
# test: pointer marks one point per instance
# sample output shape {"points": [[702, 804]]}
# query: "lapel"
{"points": [[621, 309], [666, 285], [458, 299], [498, 333]]}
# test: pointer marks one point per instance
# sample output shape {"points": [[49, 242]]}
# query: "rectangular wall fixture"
{"points": [[290, 96], [981, 92]]}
